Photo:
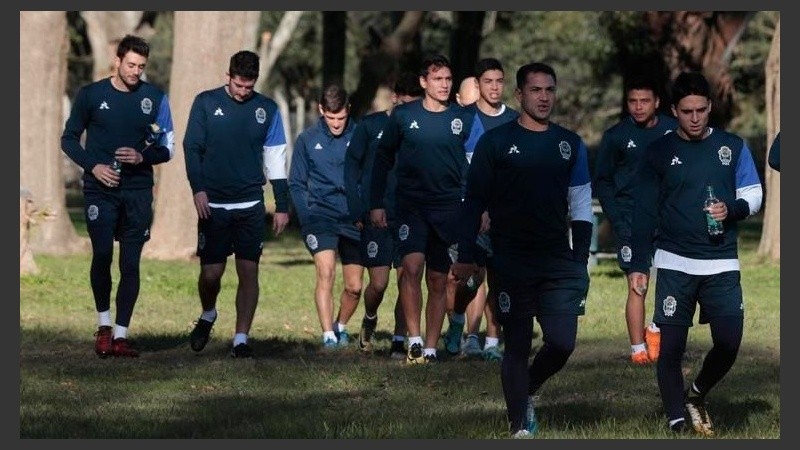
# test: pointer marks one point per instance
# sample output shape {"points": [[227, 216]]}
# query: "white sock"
{"points": [[636, 348], [414, 340], [329, 335], [120, 332], [210, 315], [428, 351], [104, 318], [491, 342], [339, 327], [239, 338]]}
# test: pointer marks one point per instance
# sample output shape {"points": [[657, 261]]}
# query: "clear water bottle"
{"points": [[714, 226]]}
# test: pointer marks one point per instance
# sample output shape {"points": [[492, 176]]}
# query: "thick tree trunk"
{"points": [[104, 30], [27, 265], [384, 58], [770, 244], [203, 44], [43, 48]]}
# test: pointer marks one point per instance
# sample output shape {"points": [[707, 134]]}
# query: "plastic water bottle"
{"points": [[117, 166], [714, 226]]}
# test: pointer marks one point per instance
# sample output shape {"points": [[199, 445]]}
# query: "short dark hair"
{"points": [[690, 83], [244, 64], [135, 44], [641, 82], [487, 64], [534, 67], [334, 98], [434, 60], [408, 84]]}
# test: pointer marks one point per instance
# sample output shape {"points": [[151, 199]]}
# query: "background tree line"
{"points": [[592, 51]]}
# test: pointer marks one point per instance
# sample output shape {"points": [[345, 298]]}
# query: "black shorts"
{"points": [[378, 246], [678, 293], [234, 231], [128, 212], [544, 284], [348, 249], [428, 231]]}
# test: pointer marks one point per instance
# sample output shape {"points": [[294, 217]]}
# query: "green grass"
{"points": [[296, 390]]}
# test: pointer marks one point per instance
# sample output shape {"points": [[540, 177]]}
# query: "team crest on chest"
{"points": [[565, 149], [725, 155], [147, 105], [261, 115], [456, 126], [402, 232]]}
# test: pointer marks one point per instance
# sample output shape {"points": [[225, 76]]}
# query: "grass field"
{"points": [[293, 389]]}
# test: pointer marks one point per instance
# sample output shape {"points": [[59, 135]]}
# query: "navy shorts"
{"points": [[428, 231], [234, 231], [540, 285], [378, 247], [348, 249], [128, 212], [678, 293]]}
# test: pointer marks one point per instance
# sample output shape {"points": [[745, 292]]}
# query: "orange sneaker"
{"points": [[640, 358], [653, 340]]}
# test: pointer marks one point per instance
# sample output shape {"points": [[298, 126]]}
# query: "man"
{"points": [[693, 267], [615, 167], [426, 137], [490, 111], [378, 252], [234, 142], [127, 121], [531, 174], [316, 183]]}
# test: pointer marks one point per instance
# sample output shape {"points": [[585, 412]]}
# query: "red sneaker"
{"points": [[102, 342], [121, 347]]}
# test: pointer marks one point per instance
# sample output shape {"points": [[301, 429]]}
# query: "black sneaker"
{"points": [[242, 351], [365, 335], [198, 338], [431, 359], [398, 350]]}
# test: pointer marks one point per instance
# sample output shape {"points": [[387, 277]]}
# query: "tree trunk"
{"points": [[701, 40], [27, 265], [203, 44], [43, 48], [465, 45], [104, 30], [384, 58], [272, 45], [770, 244], [334, 37]]}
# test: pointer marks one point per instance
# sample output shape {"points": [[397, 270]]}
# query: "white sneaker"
{"points": [[522, 434]]}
